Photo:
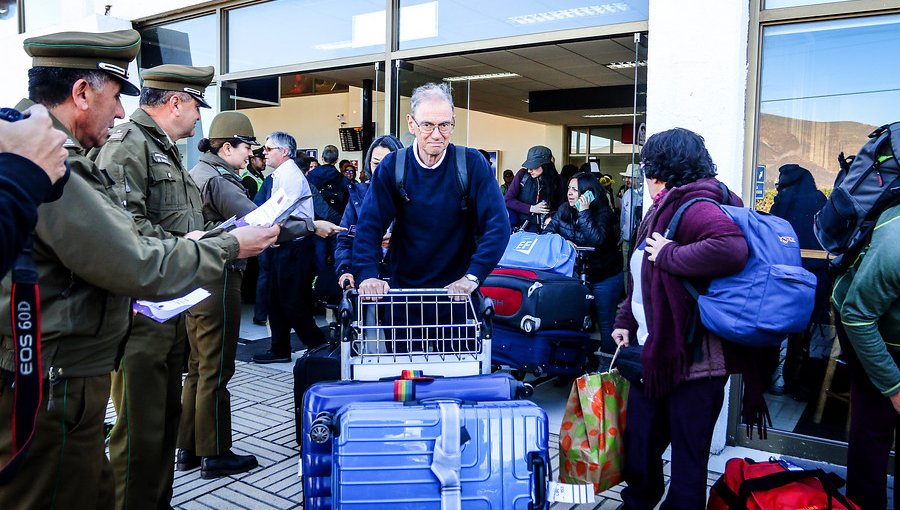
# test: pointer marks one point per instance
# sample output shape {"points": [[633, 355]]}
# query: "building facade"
{"points": [[766, 82]]}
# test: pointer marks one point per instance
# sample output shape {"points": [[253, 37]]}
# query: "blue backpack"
{"points": [[771, 297], [543, 252]]}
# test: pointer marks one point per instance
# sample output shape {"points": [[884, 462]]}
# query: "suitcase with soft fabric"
{"points": [[322, 363], [534, 300], [440, 455], [549, 352], [322, 400]]}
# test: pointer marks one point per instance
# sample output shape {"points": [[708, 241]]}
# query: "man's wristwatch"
{"points": [[472, 278]]}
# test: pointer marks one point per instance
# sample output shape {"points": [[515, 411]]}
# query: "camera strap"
{"points": [[26, 332]]}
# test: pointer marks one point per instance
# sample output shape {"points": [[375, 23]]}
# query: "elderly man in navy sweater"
{"points": [[433, 242]]}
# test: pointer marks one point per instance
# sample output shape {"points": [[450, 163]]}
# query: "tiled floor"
{"points": [[263, 425]]}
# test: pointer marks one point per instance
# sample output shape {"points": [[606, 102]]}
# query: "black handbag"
{"points": [[627, 360]]}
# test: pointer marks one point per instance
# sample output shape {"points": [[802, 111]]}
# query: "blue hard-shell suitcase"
{"points": [[322, 400], [440, 454], [549, 352]]}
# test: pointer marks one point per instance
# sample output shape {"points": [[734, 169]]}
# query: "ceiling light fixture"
{"points": [[563, 14], [488, 76], [626, 65], [610, 115]]}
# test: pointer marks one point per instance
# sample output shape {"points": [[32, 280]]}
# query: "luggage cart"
{"points": [[431, 330]]}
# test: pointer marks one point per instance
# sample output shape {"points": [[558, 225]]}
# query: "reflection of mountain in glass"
{"points": [[810, 144]]}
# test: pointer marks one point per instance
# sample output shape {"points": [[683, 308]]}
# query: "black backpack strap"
{"points": [[400, 173], [462, 177]]}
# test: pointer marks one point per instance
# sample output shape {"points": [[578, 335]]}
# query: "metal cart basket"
{"points": [[431, 330]]}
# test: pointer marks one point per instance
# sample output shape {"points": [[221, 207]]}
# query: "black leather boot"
{"points": [[226, 464], [185, 460]]}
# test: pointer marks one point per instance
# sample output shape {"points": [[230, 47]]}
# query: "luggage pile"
{"points": [[542, 314], [417, 420]]}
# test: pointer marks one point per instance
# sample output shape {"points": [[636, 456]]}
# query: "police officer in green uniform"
{"points": [[252, 176], [214, 324], [91, 260], [154, 186]]}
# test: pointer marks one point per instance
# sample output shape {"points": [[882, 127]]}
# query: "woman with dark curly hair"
{"points": [[684, 366], [587, 220]]}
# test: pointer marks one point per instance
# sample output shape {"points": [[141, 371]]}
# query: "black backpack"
{"points": [[462, 176], [335, 193], [866, 185]]}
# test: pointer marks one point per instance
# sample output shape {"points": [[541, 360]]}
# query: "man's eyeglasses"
{"points": [[266, 148], [427, 127]]}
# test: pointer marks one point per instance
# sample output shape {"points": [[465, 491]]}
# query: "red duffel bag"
{"points": [[770, 486]]}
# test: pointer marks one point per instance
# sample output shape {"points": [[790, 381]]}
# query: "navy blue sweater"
{"points": [[433, 241], [23, 187]]}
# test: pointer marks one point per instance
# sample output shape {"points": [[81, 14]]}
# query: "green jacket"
{"points": [[151, 180], [868, 298], [92, 261]]}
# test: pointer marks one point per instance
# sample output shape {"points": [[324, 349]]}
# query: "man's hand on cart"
{"points": [[371, 286], [462, 286]]}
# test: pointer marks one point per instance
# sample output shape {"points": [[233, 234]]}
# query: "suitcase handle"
{"points": [[538, 469]]}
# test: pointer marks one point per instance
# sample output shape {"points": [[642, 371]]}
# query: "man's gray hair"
{"points": [[430, 92], [285, 141], [330, 154], [157, 97]]}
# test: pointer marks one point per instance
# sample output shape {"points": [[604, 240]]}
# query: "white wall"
{"points": [[697, 79], [697, 76], [15, 62], [512, 137], [312, 120]]}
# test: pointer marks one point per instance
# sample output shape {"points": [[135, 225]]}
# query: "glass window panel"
{"points": [[9, 17], [601, 140], [823, 89], [296, 31], [43, 13], [432, 22], [192, 42], [578, 141], [812, 104], [776, 4]]}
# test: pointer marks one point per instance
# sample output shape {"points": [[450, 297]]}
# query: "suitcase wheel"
{"points": [[320, 429], [528, 325]]}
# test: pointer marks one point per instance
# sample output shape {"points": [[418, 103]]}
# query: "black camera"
{"points": [[11, 115]]}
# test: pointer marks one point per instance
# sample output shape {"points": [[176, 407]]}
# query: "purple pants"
{"points": [[686, 419]]}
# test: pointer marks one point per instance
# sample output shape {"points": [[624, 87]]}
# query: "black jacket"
{"points": [[23, 187], [594, 228]]}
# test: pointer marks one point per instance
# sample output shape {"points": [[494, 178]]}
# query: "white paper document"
{"points": [[570, 493], [164, 310], [268, 213]]}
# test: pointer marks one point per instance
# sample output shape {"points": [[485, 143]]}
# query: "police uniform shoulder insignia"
{"points": [[70, 144], [118, 135], [159, 157]]}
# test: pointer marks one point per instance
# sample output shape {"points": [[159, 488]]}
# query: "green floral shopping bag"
{"points": [[591, 445]]}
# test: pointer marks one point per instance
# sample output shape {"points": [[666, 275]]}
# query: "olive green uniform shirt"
{"points": [[92, 261], [151, 181]]}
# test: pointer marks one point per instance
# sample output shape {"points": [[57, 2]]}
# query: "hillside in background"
{"points": [[812, 145]]}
